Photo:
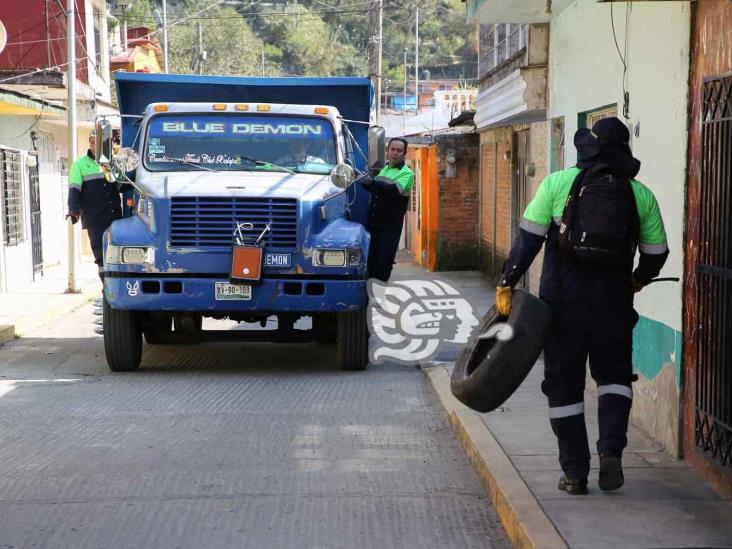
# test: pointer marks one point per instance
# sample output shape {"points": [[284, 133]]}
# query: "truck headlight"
{"points": [[329, 258], [354, 257], [337, 258], [130, 255]]}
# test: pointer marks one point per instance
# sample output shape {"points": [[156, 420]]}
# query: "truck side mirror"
{"points": [[341, 175], [377, 147], [103, 152]]}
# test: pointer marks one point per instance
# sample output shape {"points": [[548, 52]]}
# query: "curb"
{"points": [[7, 333], [525, 522]]}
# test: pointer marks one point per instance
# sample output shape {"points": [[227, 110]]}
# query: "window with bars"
{"points": [[12, 197], [501, 42]]}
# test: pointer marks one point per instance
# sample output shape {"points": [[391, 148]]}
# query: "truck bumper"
{"points": [[198, 295]]}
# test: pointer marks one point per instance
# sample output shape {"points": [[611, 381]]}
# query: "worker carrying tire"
{"points": [[593, 218], [390, 190]]}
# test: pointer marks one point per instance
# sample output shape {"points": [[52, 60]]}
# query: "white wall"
{"points": [[15, 134], [586, 73]]}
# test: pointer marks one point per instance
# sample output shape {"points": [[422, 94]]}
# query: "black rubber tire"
{"points": [[353, 340], [325, 328], [488, 371], [122, 339]]}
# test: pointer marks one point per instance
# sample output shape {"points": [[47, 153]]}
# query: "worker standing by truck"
{"points": [[93, 199], [390, 191]]}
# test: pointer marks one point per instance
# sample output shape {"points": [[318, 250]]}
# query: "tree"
{"points": [[230, 45]]}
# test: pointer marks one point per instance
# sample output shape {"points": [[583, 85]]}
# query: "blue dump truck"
{"points": [[247, 206]]}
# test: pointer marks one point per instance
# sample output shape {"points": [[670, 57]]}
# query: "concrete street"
{"points": [[226, 445]]}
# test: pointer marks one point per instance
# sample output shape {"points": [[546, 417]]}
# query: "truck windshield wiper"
{"points": [[263, 163], [187, 163]]}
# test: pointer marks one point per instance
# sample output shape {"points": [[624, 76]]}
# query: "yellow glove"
{"points": [[503, 300]]}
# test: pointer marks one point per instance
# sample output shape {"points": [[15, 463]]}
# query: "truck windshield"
{"points": [[234, 142]]}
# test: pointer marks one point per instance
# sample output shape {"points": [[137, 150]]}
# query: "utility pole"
{"points": [[404, 107], [71, 83], [374, 51], [165, 36], [416, 61], [200, 49]]}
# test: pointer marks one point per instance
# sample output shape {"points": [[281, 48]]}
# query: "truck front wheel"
{"points": [[353, 340], [122, 339]]}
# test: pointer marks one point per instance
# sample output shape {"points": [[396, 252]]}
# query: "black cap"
{"points": [[611, 132]]}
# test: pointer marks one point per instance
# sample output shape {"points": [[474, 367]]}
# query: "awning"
{"points": [[14, 103], [514, 11], [519, 98]]}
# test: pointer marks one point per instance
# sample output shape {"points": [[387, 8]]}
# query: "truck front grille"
{"points": [[207, 222]]}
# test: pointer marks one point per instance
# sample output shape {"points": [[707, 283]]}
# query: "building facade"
{"points": [[34, 129], [624, 59]]}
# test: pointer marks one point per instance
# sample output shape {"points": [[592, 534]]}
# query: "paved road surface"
{"points": [[226, 445]]}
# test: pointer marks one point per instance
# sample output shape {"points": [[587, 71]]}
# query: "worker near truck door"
{"points": [[592, 218], [93, 199], [390, 190]]}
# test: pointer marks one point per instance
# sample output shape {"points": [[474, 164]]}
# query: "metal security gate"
{"points": [[35, 213], [713, 413]]}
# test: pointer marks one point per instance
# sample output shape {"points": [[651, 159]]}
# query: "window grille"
{"points": [[12, 197], [499, 43]]}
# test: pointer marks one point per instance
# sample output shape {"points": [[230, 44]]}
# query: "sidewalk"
{"points": [[663, 503], [45, 300]]}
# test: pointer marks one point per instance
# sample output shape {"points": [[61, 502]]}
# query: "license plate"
{"points": [[277, 260], [226, 291]]}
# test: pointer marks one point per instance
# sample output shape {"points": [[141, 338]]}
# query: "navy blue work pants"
{"points": [[382, 251], [605, 336]]}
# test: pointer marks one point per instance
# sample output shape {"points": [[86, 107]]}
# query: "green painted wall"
{"points": [[654, 345]]}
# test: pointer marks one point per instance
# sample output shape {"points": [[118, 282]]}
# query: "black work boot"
{"points": [[576, 487], [611, 472]]}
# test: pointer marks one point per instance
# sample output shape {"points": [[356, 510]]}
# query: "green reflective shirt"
{"points": [[551, 197], [403, 177], [84, 168]]}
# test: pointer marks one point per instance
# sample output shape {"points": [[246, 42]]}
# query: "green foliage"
{"points": [[230, 44], [308, 37]]}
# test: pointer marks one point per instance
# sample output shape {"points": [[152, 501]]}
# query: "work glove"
{"points": [[73, 216], [504, 295]]}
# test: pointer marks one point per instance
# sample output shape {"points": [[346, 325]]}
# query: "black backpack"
{"points": [[600, 223]]}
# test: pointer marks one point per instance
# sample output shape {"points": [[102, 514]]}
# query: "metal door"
{"points": [[35, 214], [520, 194], [713, 391]]}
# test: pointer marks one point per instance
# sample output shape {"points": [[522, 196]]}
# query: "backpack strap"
{"points": [[569, 214]]}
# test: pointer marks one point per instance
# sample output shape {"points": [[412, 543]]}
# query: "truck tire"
{"points": [[325, 328], [488, 371], [122, 339], [353, 340]]}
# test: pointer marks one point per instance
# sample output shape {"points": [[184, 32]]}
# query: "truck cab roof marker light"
{"points": [[322, 110], [264, 108], [160, 108], [241, 107], [219, 106]]}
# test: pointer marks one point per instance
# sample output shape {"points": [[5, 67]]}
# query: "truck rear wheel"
{"points": [[353, 340], [122, 339]]}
